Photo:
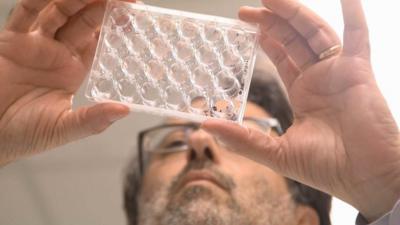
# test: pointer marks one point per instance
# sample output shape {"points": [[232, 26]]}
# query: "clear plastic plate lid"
{"points": [[173, 63]]}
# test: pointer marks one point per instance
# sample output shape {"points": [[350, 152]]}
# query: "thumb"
{"points": [[92, 120], [249, 142]]}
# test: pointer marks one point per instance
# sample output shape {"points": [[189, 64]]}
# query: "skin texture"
{"points": [[344, 140], [46, 49], [249, 193]]}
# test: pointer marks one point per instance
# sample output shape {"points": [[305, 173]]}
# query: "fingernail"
{"points": [[225, 144], [115, 118], [215, 135], [206, 128], [120, 115]]}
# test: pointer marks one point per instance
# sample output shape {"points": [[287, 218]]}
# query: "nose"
{"points": [[203, 148]]}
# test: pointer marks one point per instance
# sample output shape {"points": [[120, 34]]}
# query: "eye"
{"points": [[175, 144]]}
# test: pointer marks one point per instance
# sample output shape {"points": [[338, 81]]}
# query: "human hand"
{"points": [[344, 140], [46, 50]]}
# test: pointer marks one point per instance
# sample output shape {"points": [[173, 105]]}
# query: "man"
{"points": [[184, 176], [344, 139]]}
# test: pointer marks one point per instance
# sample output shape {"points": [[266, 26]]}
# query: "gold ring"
{"points": [[334, 50]]}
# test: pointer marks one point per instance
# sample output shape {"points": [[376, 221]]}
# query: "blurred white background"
{"points": [[82, 183]]}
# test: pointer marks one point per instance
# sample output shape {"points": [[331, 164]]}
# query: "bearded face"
{"points": [[208, 184]]}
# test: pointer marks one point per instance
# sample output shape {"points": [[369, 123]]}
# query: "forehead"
{"points": [[252, 110]]}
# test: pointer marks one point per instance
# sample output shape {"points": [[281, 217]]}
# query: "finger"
{"points": [[87, 54], [57, 13], [250, 143], [271, 24], [287, 69], [319, 35], [356, 34], [280, 30], [91, 120], [80, 30], [24, 14]]}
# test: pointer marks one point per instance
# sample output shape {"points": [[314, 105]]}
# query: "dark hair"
{"points": [[266, 92]]}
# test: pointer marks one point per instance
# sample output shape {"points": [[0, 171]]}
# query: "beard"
{"points": [[202, 205], [196, 205], [199, 205]]}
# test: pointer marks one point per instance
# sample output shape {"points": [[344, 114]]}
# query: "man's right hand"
{"points": [[344, 139], [46, 49]]}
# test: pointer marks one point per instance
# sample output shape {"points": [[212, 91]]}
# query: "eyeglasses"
{"points": [[173, 138]]}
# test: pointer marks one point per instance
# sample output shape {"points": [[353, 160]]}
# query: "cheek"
{"points": [[160, 173], [260, 192], [252, 176]]}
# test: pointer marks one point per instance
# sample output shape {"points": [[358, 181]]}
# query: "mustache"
{"points": [[224, 180]]}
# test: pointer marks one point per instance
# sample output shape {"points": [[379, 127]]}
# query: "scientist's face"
{"points": [[209, 184]]}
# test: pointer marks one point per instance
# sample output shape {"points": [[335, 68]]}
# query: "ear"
{"points": [[306, 215]]}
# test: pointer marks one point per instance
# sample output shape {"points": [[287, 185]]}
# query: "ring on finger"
{"points": [[332, 51]]}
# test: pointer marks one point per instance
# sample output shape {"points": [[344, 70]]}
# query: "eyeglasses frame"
{"points": [[272, 123]]}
